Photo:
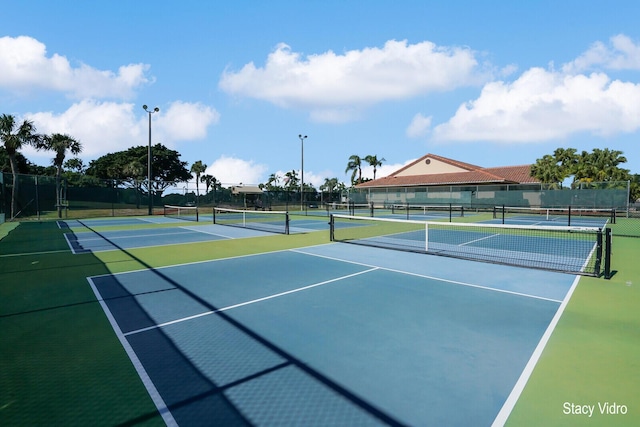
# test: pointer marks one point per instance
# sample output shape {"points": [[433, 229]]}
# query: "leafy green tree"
{"points": [[198, 169], [14, 136], [634, 191], [75, 165], [135, 170], [60, 144], [166, 167], [355, 166], [374, 162]]}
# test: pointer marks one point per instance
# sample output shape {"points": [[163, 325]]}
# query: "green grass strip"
{"points": [[593, 355], [159, 256], [6, 228]]}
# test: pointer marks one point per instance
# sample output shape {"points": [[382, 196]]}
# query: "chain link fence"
{"points": [[43, 197]]}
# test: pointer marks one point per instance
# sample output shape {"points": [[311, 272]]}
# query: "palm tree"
{"points": [[373, 161], [272, 182], [330, 185], [13, 138], [291, 180], [547, 170], [354, 165], [60, 144], [198, 168], [208, 181], [605, 165]]}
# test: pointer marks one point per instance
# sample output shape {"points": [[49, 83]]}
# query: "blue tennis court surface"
{"points": [[329, 335], [100, 222], [98, 241]]}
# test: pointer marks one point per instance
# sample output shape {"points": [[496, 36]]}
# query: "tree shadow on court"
{"points": [[244, 368], [61, 364]]}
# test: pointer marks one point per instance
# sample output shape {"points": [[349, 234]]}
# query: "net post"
{"points": [[503, 215], [214, 214], [286, 222], [599, 247], [197, 214], [450, 212], [569, 214], [607, 253], [426, 237], [407, 209], [371, 209], [331, 228]]}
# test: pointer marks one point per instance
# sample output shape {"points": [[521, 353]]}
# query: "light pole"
{"points": [[302, 138], [155, 110]]}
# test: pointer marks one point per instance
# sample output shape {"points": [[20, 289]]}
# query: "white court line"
{"points": [[189, 263], [142, 373], [66, 237], [131, 236], [207, 313], [192, 228], [510, 403], [440, 279], [34, 253], [480, 239]]}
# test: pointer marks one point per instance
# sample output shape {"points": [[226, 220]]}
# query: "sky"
{"points": [[491, 83]]}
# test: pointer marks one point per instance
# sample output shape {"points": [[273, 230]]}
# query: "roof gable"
{"points": [[431, 170], [431, 164]]}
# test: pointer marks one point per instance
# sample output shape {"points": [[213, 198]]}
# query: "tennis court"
{"points": [[328, 335], [226, 325], [130, 233]]}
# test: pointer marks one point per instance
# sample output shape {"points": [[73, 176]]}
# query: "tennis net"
{"points": [[270, 221], [576, 250], [363, 209], [562, 216], [187, 213], [410, 211]]}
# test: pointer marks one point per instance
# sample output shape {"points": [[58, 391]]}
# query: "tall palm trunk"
{"points": [[14, 190], [59, 191]]}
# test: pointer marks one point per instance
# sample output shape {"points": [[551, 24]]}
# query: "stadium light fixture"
{"points": [[302, 138], [150, 112]]}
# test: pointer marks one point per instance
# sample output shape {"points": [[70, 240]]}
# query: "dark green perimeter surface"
{"points": [[61, 363]]}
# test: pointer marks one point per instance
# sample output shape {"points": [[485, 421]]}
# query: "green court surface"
{"points": [[62, 364]]}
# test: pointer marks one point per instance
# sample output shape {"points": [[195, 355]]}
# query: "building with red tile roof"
{"points": [[434, 170]]}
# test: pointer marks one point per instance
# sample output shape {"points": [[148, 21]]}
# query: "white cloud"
{"points": [[543, 105], [621, 54], [25, 66], [104, 127], [419, 126], [381, 171], [232, 170], [329, 84], [187, 121]]}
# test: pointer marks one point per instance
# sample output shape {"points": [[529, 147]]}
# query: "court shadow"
{"points": [[239, 376]]}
